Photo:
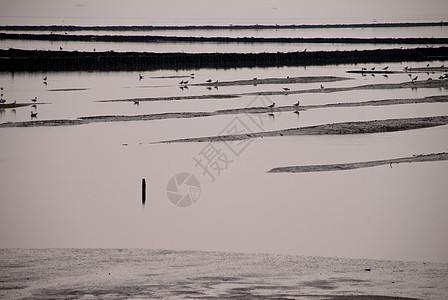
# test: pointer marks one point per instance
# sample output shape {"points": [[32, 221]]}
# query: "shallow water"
{"points": [[194, 47], [79, 186]]}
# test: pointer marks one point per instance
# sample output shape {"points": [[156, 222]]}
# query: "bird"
{"points": [[272, 105], [321, 86], [14, 102], [385, 68], [34, 99], [33, 114], [427, 65], [209, 80], [440, 77], [181, 82], [442, 66], [216, 82], [45, 78], [192, 74], [186, 82], [136, 102], [363, 69], [286, 89], [2, 100], [429, 78], [373, 69], [209, 88], [415, 78], [297, 104], [140, 76], [60, 48], [255, 78]]}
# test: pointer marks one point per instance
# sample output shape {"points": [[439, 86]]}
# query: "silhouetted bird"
{"points": [[272, 105]]}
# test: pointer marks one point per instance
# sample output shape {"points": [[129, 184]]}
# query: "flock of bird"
{"points": [[184, 85]]}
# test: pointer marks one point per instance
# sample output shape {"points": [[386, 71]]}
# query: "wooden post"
{"points": [[143, 191]]}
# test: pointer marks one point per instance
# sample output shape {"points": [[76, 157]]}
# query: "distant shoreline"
{"points": [[16, 60], [218, 39], [214, 27]]}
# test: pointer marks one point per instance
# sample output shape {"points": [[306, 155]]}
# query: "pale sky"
{"points": [[167, 12]]}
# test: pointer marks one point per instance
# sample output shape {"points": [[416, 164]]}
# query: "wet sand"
{"points": [[166, 274], [403, 85], [363, 127], [234, 111], [359, 165]]}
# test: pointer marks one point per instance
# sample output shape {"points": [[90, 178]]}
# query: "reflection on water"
{"points": [[384, 213], [192, 47]]}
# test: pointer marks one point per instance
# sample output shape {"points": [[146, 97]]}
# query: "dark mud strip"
{"points": [[69, 90], [363, 127], [35, 60], [213, 27], [404, 85], [288, 80], [227, 40], [359, 165], [409, 70], [412, 85], [176, 98], [247, 110], [10, 105]]}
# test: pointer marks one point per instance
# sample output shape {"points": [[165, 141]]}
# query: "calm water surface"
{"points": [[79, 186]]}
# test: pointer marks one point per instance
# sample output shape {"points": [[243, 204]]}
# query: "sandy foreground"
{"points": [[156, 274]]}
